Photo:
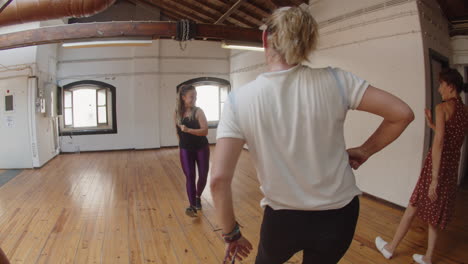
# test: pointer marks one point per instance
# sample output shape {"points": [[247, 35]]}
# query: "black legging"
{"points": [[324, 236]]}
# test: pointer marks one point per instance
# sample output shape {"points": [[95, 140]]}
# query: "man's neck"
{"points": [[276, 63]]}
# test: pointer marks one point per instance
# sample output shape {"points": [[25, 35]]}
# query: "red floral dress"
{"points": [[439, 213]]}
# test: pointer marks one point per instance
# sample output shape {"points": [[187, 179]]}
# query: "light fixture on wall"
{"points": [[242, 45], [107, 43]]}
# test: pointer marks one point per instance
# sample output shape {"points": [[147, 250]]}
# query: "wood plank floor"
{"points": [[128, 207]]}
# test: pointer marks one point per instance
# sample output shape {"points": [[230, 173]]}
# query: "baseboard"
{"points": [[385, 202]]}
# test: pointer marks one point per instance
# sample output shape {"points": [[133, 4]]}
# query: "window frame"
{"points": [[210, 81], [110, 92]]}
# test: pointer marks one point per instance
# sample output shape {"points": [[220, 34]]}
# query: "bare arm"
{"points": [[437, 147], [203, 130], [224, 163], [397, 116]]}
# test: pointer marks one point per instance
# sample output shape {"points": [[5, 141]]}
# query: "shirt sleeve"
{"points": [[353, 87], [228, 126]]}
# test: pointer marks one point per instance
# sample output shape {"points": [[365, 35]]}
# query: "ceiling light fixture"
{"points": [[241, 45], [108, 43]]}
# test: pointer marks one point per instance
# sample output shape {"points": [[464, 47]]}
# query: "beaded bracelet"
{"points": [[232, 236]]}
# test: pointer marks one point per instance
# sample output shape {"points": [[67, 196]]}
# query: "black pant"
{"points": [[324, 236]]}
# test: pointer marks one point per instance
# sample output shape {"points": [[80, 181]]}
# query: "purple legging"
{"points": [[188, 159]]}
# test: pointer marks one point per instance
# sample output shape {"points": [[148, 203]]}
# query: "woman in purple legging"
{"points": [[192, 129]]}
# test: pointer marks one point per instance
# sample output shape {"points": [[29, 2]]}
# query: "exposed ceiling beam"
{"points": [[199, 9], [150, 7], [106, 30], [181, 11], [262, 11], [4, 4], [214, 7], [299, 2], [454, 8], [171, 15], [229, 12], [257, 17], [459, 29], [194, 8], [280, 3], [269, 5]]}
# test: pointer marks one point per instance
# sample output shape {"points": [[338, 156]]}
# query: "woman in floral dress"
{"points": [[433, 198]]}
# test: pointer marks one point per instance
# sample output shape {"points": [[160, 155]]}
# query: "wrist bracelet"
{"points": [[231, 239], [232, 236], [234, 230]]}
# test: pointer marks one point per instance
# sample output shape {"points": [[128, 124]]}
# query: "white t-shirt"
{"points": [[293, 122]]}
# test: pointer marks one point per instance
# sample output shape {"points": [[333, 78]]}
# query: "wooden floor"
{"points": [[128, 207]]}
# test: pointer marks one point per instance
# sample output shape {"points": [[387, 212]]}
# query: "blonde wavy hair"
{"points": [[292, 33]]}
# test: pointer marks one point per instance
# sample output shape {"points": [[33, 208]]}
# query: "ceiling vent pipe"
{"points": [[22, 11]]}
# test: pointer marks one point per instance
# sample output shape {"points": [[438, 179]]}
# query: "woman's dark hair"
{"points": [[454, 78], [180, 106]]}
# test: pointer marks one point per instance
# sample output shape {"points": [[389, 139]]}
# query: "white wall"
{"points": [[18, 56], [46, 123], [17, 66], [15, 151], [146, 80], [246, 66], [30, 73]]}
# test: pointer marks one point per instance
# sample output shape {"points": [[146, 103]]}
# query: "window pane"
{"points": [[102, 114], [68, 99], [84, 108], [68, 117], [102, 97], [208, 100], [224, 93]]}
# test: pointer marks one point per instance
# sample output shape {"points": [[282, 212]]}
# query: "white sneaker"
{"points": [[419, 259], [380, 244]]}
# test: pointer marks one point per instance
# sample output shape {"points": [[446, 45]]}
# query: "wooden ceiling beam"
{"points": [[231, 10], [209, 17], [177, 10], [4, 4], [217, 7], [150, 7], [454, 8], [297, 2], [260, 13], [233, 19], [264, 10], [196, 9], [171, 15], [113, 30], [199, 10], [280, 3]]}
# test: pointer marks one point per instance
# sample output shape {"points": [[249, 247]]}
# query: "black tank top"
{"points": [[190, 141]]}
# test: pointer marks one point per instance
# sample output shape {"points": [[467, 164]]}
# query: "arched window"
{"points": [[211, 94], [88, 107]]}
